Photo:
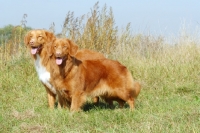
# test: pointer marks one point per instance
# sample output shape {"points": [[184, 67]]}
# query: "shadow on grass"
{"points": [[184, 89], [101, 105]]}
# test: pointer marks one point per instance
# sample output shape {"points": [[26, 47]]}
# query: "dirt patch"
{"points": [[23, 115]]}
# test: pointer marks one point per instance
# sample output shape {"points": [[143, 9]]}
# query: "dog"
{"points": [[37, 42], [78, 79]]}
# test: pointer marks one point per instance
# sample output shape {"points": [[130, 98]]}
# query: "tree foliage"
{"points": [[12, 33]]}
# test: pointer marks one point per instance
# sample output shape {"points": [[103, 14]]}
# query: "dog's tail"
{"points": [[137, 88]]}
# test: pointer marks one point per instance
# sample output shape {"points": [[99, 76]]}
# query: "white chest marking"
{"points": [[43, 74]]}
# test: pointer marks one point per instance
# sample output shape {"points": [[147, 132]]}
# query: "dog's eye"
{"points": [[65, 47], [40, 35], [54, 46]]}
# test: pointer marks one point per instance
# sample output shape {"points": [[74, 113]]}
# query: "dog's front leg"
{"points": [[78, 99], [51, 98], [62, 102]]}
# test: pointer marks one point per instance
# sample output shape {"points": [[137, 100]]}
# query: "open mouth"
{"points": [[59, 60], [34, 50]]}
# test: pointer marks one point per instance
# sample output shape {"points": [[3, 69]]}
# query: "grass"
{"points": [[169, 100]]}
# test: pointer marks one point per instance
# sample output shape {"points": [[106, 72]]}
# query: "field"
{"points": [[169, 73]]}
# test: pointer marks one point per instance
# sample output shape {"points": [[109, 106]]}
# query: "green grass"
{"points": [[169, 100]]}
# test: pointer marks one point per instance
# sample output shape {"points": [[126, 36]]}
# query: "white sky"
{"points": [[163, 17]]}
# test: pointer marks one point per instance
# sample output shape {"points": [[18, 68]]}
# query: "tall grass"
{"points": [[95, 30], [11, 46], [169, 73]]}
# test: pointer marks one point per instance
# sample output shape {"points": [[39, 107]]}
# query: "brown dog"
{"points": [[76, 80], [36, 41]]}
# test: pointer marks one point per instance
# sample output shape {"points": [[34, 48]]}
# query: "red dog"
{"points": [[36, 41], [76, 80]]}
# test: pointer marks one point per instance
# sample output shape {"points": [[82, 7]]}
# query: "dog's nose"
{"points": [[58, 53], [31, 42]]}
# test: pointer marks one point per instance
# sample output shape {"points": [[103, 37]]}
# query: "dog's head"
{"points": [[61, 49], [35, 39]]}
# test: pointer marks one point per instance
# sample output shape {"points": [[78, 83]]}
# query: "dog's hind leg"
{"points": [[131, 102], [121, 103], [96, 100]]}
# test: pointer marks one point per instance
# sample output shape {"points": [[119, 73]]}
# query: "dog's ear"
{"points": [[73, 48], [49, 46], [50, 36], [27, 38]]}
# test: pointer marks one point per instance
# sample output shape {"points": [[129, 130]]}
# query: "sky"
{"points": [[160, 17]]}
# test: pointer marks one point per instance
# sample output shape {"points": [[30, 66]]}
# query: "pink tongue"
{"points": [[59, 61], [33, 50]]}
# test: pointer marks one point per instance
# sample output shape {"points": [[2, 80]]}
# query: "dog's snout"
{"points": [[58, 53], [31, 42]]}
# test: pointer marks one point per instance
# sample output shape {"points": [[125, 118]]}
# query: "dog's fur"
{"points": [[37, 42], [85, 54], [76, 80]]}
